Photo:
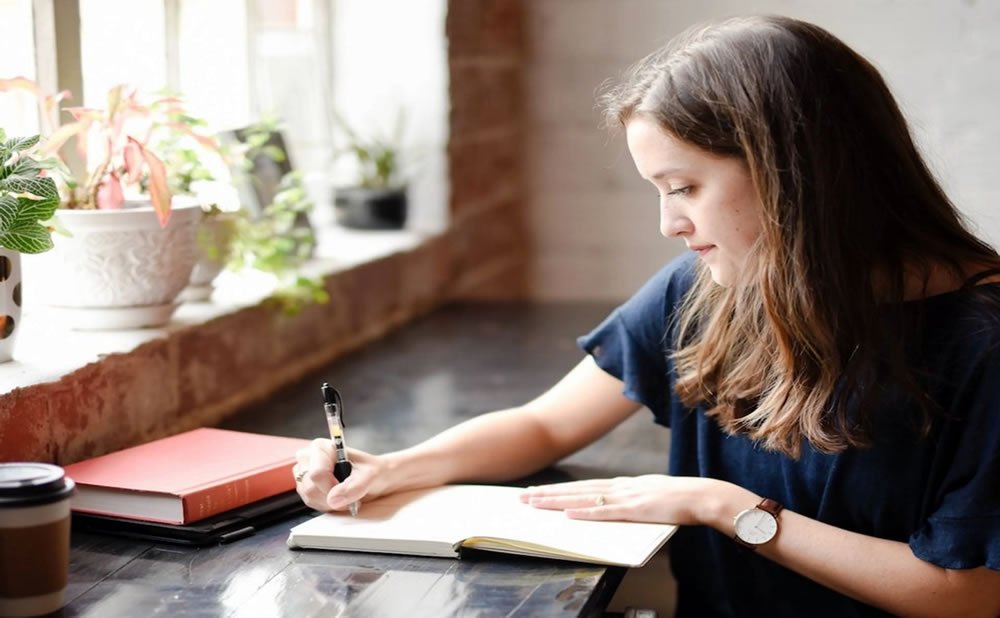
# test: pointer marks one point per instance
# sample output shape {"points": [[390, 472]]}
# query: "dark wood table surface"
{"points": [[460, 361]]}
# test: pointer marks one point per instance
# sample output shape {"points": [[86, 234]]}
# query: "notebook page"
{"points": [[488, 516]]}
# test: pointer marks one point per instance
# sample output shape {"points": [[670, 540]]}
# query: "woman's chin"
{"points": [[721, 276]]}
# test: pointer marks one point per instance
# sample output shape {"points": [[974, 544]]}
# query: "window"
{"points": [[291, 75], [213, 68], [18, 111], [121, 42], [238, 61]]}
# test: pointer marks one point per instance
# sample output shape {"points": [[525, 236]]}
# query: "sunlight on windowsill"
{"points": [[45, 351]]}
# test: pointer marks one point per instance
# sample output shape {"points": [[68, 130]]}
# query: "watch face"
{"points": [[756, 526]]}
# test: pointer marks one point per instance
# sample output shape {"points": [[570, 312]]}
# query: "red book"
{"points": [[186, 477]]}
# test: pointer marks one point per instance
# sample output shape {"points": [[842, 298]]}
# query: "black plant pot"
{"points": [[370, 209]]}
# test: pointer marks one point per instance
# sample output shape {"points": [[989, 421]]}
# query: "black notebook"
{"points": [[222, 528]]}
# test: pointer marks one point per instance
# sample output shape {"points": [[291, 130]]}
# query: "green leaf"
{"points": [[18, 144], [8, 211], [41, 187], [31, 209], [26, 199], [25, 166], [27, 237]]}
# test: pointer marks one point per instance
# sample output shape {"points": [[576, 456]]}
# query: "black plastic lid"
{"points": [[32, 484]]}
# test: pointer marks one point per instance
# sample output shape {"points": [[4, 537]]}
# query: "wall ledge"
{"points": [[69, 395]]}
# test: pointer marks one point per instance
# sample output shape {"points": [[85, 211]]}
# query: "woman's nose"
{"points": [[673, 225]]}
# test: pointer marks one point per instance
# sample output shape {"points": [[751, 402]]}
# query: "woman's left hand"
{"points": [[655, 498]]}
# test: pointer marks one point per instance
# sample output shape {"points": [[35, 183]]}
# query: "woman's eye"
{"points": [[680, 191]]}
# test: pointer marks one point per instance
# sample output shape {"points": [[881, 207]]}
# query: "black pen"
{"points": [[334, 408]]}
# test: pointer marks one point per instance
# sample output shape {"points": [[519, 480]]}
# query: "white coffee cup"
{"points": [[34, 538]]}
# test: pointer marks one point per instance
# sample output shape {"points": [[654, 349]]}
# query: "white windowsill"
{"points": [[45, 351]]}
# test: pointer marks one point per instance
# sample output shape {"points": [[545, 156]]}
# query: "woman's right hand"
{"points": [[319, 489]]}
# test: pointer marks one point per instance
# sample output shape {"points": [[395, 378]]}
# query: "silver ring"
{"points": [[301, 474], [599, 500]]}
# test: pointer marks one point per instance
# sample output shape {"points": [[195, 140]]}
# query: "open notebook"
{"points": [[443, 520]]}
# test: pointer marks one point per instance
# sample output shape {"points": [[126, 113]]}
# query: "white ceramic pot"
{"points": [[120, 269], [10, 301]]}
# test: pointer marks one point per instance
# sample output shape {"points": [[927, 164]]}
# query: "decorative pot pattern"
{"points": [[121, 258], [10, 301]]}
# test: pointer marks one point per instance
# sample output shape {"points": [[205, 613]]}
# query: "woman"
{"points": [[830, 345]]}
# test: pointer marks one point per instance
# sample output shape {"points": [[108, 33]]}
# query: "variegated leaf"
{"points": [[18, 144], [27, 238], [40, 187], [25, 166], [29, 209], [8, 211]]}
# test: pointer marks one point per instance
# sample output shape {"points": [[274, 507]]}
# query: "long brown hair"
{"points": [[848, 208]]}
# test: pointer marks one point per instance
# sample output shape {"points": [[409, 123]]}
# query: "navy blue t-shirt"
{"points": [[939, 494]]}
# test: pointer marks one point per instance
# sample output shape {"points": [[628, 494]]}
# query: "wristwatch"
{"points": [[754, 527]]}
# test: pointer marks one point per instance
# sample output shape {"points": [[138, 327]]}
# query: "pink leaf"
{"points": [[159, 193], [109, 193], [115, 97], [208, 142], [21, 83], [84, 113], [58, 137], [133, 161]]}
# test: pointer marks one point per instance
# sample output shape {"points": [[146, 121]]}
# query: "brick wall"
{"points": [[485, 52]]}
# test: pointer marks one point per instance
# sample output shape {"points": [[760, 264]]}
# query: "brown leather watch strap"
{"points": [[771, 506]]}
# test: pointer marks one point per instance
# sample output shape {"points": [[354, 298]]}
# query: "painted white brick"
{"points": [[938, 56]]}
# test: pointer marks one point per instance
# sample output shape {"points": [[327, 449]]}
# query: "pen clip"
{"points": [[331, 397], [340, 409]]}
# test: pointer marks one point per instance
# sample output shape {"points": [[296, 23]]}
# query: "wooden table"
{"points": [[460, 361]]}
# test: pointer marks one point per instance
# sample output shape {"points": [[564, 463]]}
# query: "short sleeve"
{"points": [[963, 528], [633, 342]]}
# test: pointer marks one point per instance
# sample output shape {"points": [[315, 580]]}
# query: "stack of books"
{"points": [[199, 487]]}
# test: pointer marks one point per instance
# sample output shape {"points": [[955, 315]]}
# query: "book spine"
{"points": [[233, 493]]}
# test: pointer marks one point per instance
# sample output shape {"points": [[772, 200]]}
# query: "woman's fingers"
{"points": [[643, 498], [319, 489], [313, 473], [352, 489], [591, 488], [358, 485], [572, 501], [607, 512]]}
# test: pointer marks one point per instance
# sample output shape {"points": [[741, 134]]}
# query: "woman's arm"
{"points": [[876, 571], [512, 443], [498, 446]]}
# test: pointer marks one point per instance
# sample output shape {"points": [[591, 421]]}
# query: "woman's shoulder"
{"points": [[960, 337], [647, 313], [970, 315], [668, 286]]}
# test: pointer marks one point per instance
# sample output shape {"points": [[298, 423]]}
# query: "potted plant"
{"points": [[274, 243], [198, 167], [377, 198], [272, 232], [28, 198], [130, 247]]}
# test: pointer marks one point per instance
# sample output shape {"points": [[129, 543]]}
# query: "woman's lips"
{"points": [[702, 250]]}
